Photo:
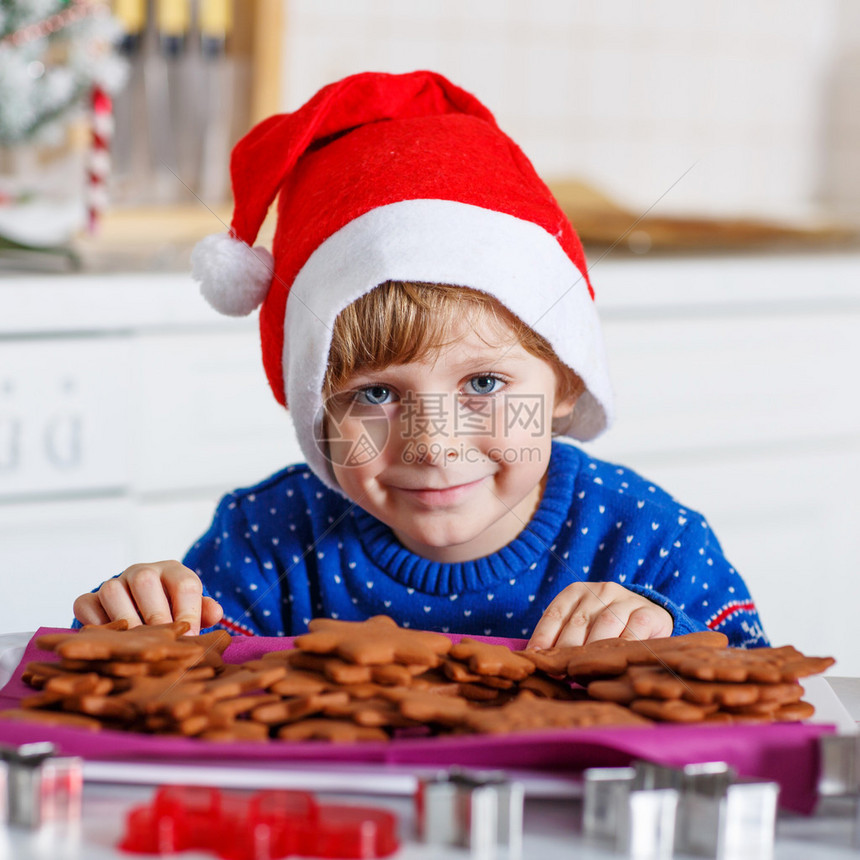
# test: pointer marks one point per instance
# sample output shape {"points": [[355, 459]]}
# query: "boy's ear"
{"points": [[563, 408]]}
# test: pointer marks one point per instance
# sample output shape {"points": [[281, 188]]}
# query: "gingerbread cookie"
{"points": [[225, 712], [334, 731], [437, 682], [52, 718], [37, 672], [244, 680], [794, 712], [672, 710], [240, 730], [341, 671], [167, 694], [375, 641], [608, 657], [545, 687], [485, 659], [78, 684], [655, 682], [296, 682], [422, 706], [761, 665], [619, 690], [374, 711], [291, 710], [146, 644], [108, 708], [527, 713], [461, 673], [480, 693]]}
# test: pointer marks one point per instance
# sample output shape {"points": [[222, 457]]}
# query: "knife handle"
{"points": [[215, 21], [173, 21], [215, 18], [132, 16]]}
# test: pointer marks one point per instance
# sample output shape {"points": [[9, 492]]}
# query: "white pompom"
{"points": [[234, 278]]}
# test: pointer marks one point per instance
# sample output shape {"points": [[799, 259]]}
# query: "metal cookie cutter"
{"points": [[39, 786], [479, 810], [839, 773], [623, 810], [726, 816], [649, 811]]}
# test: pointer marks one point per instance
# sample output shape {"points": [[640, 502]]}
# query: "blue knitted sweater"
{"points": [[290, 549]]}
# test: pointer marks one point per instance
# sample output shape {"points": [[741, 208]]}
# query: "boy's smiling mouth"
{"points": [[439, 496]]}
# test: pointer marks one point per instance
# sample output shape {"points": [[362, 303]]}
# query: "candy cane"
{"points": [[98, 167]]}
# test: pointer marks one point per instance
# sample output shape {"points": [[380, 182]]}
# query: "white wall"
{"points": [[758, 97]]}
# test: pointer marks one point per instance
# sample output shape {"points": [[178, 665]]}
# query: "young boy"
{"points": [[428, 317]]}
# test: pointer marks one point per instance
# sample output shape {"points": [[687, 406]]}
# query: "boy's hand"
{"points": [[151, 594], [588, 611]]}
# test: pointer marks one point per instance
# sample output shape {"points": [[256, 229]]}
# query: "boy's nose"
{"points": [[428, 427]]}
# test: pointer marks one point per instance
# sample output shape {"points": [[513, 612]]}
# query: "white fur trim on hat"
{"points": [[234, 277], [446, 242]]}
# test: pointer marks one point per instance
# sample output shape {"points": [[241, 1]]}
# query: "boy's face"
{"points": [[449, 451]]}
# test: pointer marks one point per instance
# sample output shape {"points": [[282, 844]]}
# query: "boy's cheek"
{"points": [[526, 420], [353, 431]]}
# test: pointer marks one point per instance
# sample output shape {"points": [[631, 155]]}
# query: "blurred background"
{"points": [[657, 108], [708, 154]]}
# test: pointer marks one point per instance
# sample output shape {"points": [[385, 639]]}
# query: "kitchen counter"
{"points": [[551, 832]]}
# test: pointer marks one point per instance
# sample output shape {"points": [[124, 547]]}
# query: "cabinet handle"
{"points": [[10, 444], [63, 436]]}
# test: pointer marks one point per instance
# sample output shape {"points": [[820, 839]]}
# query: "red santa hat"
{"points": [[395, 177]]}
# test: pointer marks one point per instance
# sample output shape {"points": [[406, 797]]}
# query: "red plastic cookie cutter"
{"points": [[265, 826]]}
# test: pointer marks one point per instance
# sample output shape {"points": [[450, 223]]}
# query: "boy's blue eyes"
{"points": [[373, 395], [484, 384], [380, 395]]}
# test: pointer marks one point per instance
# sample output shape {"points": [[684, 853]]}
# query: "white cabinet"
{"points": [[127, 407], [52, 551], [787, 520], [715, 381], [736, 389], [63, 415], [202, 414]]}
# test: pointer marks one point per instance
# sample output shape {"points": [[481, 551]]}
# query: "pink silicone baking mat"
{"points": [[784, 752]]}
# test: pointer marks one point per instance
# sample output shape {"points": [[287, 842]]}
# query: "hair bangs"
{"points": [[402, 321]]}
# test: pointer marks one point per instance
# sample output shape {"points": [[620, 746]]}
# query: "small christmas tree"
{"points": [[57, 61], [53, 53]]}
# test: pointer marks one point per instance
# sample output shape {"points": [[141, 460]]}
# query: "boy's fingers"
{"points": [[574, 630], [648, 622], [211, 612], [591, 608], [117, 602], [544, 634], [185, 594], [607, 624], [147, 590], [547, 629], [588, 612], [88, 610], [567, 609]]}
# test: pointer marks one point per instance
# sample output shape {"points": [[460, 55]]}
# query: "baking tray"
{"points": [[784, 752]]}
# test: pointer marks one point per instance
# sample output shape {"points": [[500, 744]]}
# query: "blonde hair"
{"points": [[403, 321]]}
